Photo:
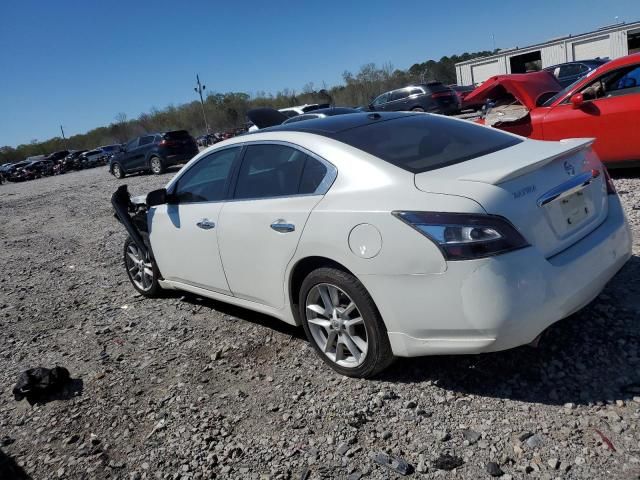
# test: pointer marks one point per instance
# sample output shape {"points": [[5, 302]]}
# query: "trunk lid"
{"points": [[554, 193]]}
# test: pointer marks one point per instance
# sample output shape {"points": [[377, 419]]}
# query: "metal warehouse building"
{"points": [[608, 42]]}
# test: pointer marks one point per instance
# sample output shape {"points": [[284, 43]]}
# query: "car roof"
{"points": [[591, 61], [331, 125]]}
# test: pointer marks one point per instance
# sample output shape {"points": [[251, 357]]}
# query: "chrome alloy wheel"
{"points": [[140, 272], [156, 165], [336, 325]]}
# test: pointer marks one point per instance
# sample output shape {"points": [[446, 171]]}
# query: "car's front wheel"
{"points": [[142, 272], [417, 109], [156, 166], [343, 324]]}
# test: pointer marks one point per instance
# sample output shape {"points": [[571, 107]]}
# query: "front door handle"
{"points": [[281, 226], [206, 224]]}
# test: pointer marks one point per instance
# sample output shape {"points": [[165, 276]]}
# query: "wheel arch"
{"points": [[299, 272]]}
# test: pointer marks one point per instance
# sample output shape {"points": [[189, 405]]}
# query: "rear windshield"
{"points": [[419, 143], [177, 134]]}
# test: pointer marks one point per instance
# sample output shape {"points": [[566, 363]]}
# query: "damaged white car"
{"points": [[385, 234]]}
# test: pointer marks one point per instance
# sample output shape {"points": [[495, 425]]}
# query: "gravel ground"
{"points": [[184, 387]]}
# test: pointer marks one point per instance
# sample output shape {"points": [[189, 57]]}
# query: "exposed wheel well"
{"points": [[300, 271]]}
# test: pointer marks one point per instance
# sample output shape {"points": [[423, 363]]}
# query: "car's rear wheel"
{"points": [[156, 165], [417, 109], [117, 171], [343, 324], [142, 272]]}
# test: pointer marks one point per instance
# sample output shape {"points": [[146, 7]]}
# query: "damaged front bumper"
{"points": [[132, 214]]}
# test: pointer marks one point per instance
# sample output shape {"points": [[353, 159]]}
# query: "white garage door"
{"points": [[596, 47], [483, 71]]}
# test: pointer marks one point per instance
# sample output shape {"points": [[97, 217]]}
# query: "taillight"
{"points": [[167, 143], [441, 94], [461, 236], [611, 188]]}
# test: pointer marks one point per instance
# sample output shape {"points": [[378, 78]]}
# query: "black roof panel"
{"points": [[338, 123]]}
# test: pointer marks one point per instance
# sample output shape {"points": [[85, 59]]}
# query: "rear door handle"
{"points": [[281, 226], [206, 224]]}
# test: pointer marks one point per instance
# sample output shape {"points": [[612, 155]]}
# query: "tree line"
{"points": [[227, 111]]}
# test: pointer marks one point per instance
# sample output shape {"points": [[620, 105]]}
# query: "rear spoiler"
{"points": [[121, 201], [511, 170]]}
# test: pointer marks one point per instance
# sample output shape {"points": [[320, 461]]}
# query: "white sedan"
{"points": [[386, 234]]}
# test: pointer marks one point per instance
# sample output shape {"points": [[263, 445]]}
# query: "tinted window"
{"points": [[381, 99], [270, 171], [569, 70], [399, 95], [146, 140], [290, 113], [206, 181], [422, 142], [415, 91], [312, 175], [132, 144]]}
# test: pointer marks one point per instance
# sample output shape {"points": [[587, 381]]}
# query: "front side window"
{"points": [[271, 170], [381, 99], [623, 81], [206, 181]]}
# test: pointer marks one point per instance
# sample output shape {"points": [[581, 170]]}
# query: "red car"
{"points": [[604, 105]]}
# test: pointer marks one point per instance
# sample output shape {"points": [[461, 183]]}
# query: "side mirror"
{"points": [[577, 100], [158, 197]]}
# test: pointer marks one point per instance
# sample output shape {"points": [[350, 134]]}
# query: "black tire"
{"points": [[117, 171], [154, 289], [156, 166], [379, 355], [417, 109]]}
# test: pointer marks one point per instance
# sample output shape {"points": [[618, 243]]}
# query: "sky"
{"points": [[80, 63]]}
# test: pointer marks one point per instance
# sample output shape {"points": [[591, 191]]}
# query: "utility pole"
{"points": [[493, 38], [199, 89], [66, 145]]}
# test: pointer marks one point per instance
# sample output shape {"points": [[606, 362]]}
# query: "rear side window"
{"points": [[146, 140], [270, 171], [206, 181], [425, 142]]}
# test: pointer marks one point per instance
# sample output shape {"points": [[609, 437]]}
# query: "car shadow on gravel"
{"points": [[10, 470], [618, 173], [244, 315], [592, 356]]}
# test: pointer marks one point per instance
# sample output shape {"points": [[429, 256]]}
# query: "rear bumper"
{"points": [[500, 302], [183, 157]]}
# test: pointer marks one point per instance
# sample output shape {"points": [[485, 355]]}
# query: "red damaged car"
{"points": [[604, 105]]}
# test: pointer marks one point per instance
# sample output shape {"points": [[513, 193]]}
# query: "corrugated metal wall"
{"points": [[553, 55], [613, 45], [463, 75], [619, 45], [592, 48]]}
